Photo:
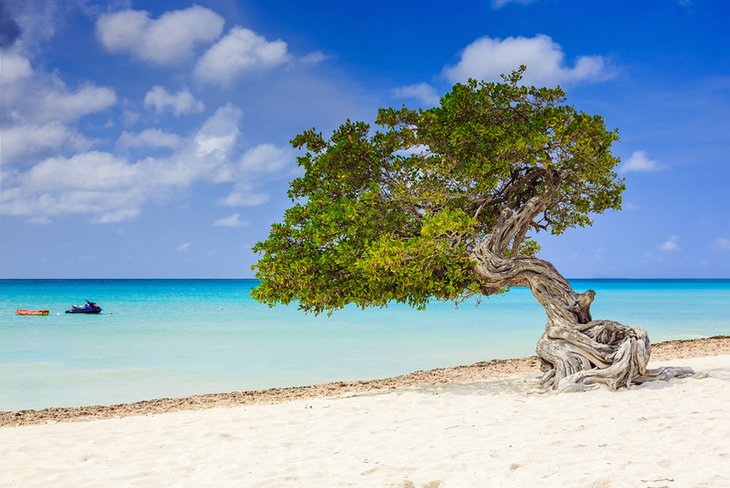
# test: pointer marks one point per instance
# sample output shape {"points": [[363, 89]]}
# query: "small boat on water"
{"points": [[89, 307], [31, 312]]}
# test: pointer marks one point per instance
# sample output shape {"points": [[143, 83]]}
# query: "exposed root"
{"points": [[577, 366], [576, 352]]}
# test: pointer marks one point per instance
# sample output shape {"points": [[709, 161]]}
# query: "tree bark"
{"points": [[576, 352]]}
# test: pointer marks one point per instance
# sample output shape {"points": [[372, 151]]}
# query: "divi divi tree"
{"points": [[446, 203]]}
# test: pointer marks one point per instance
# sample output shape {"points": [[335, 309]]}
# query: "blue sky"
{"points": [[150, 139]]}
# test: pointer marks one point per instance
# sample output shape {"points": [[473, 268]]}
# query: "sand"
{"points": [[485, 370], [487, 432]]}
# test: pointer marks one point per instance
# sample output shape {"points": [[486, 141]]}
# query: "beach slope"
{"points": [[494, 432]]}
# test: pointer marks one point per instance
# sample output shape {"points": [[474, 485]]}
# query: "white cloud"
{"points": [[421, 91], [240, 51], [264, 158], [245, 197], [112, 188], [13, 67], [29, 140], [184, 246], [638, 161], [37, 113], [231, 221], [261, 162], [671, 244], [154, 137], [487, 58], [88, 99], [219, 133], [91, 171], [169, 39], [35, 97], [178, 103], [721, 244], [98, 184]]}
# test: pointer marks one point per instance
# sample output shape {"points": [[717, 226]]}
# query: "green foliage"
{"points": [[394, 214]]}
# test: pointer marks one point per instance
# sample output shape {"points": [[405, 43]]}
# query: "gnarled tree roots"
{"points": [[576, 352], [601, 352]]}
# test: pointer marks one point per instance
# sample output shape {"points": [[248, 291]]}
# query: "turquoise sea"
{"points": [[167, 338]]}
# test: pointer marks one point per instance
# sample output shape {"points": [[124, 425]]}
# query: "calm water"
{"points": [[158, 338]]}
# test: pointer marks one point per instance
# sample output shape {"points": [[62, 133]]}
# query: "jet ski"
{"points": [[88, 307]]}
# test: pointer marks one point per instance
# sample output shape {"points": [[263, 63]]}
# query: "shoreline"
{"points": [[483, 370]]}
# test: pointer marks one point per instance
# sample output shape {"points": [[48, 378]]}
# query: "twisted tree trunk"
{"points": [[576, 352]]}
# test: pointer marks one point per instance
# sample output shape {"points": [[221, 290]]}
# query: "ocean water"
{"points": [[167, 338]]}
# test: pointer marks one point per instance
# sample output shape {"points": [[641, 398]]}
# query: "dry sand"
{"points": [[479, 425]]}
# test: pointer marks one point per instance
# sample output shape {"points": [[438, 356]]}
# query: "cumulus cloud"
{"points": [[13, 67], [671, 244], [423, 92], [98, 184], [58, 105], [257, 164], [639, 162], [109, 188], [264, 159], [168, 39], [231, 221], [38, 97], [50, 169], [487, 58], [22, 141], [260, 163], [179, 103], [241, 51], [153, 138], [90, 171], [219, 133], [38, 110]]}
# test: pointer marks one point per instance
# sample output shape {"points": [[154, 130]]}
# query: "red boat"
{"points": [[32, 312]]}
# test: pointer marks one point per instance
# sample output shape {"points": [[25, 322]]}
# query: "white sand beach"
{"points": [[497, 432]]}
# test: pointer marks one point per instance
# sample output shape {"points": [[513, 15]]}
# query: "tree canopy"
{"points": [[395, 212]]}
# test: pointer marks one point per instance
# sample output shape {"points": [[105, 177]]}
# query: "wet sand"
{"points": [[486, 370]]}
